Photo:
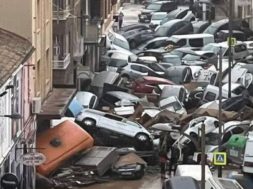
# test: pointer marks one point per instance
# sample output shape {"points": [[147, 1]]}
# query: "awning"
{"points": [[56, 104]]}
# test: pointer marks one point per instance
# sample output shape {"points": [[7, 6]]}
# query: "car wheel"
{"points": [[88, 122], [142, 142], [132, 44]]}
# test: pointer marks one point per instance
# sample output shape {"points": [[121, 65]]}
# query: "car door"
{"points": [[111, 122]]}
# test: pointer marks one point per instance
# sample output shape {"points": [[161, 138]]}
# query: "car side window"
{"points": [[196, 42], [92, 101], [143, 69], [110, 98], [155, 44], [136, 68], [110, 116], [237, 130], [210, 96], [240, 48], [181, 43], [226, 137], [181, 14]]}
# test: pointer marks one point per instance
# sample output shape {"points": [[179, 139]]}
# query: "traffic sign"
{"points": [[220, 158], [31, 159], [233, 41]]}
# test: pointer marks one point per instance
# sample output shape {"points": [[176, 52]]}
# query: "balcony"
{"points": [[61, 13], [61, 62], [92, 31]]}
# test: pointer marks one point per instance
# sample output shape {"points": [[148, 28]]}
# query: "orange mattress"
{"points": [[60, 143]]}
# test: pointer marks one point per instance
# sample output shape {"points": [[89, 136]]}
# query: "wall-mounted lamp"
{"points": [[12, 116], [3, 93], [9, 87]]}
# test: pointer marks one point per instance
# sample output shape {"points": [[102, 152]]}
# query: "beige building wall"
{"points": [[32, 19]]}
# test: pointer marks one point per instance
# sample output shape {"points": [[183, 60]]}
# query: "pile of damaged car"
{"points": [[145, 110]]}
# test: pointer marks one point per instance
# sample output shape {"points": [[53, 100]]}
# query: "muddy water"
{"points": [[147, 182]]}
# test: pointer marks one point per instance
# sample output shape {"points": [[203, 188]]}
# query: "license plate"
{"points": [[126, 173]]}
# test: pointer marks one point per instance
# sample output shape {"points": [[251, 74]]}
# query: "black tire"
{"points": [[132, 44], [142, 142]]}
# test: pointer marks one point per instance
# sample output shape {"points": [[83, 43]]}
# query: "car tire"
{"points": [[132, 44], [142, 142]]}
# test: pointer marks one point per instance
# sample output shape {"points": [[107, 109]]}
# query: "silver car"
{"points": [[115, 130]]}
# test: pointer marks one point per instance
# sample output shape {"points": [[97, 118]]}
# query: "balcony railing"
{"points": [[78, 49], [61, 62], [61, 14], [92, 31]]}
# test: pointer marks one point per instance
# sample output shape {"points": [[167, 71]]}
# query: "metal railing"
{"points": [[61, 62]]}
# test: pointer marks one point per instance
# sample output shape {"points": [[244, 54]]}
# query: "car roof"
{"points": [[152, 78], [122, 95], [159, 13], [171, 22], [219, 23], [190, 36], [162, 2], [225, 44], [233, 31]]}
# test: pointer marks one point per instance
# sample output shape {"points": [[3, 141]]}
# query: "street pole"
{"points": [[230, 46], [203, 156], [220, 107], [204, 11]]}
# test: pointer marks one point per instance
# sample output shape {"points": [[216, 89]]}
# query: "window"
{"points": [[155, 44], [144, 69], [110, 116], [110, 99], [182, 14], [240, 48], [196, 42], [210, 96], [38, 15], [136, 68], [226, 137], [237, 130], [239, 12], [181, 43]]}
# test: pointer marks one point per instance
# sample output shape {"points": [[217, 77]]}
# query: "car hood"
{"points": [[146, 11]]}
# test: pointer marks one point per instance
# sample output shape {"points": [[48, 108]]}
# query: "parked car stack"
{"points": [[165, 78]]}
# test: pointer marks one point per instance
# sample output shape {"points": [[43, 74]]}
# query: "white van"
{"points": [[195, 41], [247, 166], [211, 181], [211, 92]]}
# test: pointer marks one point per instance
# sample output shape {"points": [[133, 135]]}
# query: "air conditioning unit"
{"points": [[36, 105]]}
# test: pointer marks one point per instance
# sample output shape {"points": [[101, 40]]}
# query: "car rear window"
{"points": [[210, 96]]}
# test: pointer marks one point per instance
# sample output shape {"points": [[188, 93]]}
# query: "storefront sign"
{"points": [[31, 159], [9, 181]]}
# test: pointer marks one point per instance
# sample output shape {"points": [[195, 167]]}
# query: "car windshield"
{"points": [[117, 63], [175, 105], [154, 6], [213, 48], [210, 30], [121, 43], [212, 139], [191, 57], [174, 60], [158, 16], [162, 31]]}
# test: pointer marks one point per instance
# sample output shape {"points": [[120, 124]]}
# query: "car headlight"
{"points": [[197, 74]]}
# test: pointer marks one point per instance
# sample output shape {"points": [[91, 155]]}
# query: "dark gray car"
{"points": [[174, 27]]}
